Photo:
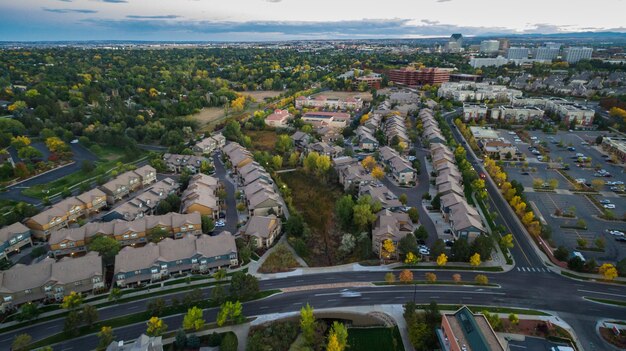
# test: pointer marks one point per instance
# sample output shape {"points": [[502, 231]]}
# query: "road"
{"points": [[231, 202], [80, 154]]}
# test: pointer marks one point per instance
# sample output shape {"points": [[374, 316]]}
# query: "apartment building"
{"points": [[12, 238], [516, 114], [178, 163], [209, 144], [325, 149], [50, 280], [399, 167], [262, 229], [128, 182], [238, 155], [392, 226], [351, 103], [94, 201], [201, 196], [474, 112], [155, 262], [145, 203]]}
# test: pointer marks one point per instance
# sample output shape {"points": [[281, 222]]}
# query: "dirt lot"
{"points": [[208, 115], [260, 95], [316, 201], [366, 96], [262, 140]]}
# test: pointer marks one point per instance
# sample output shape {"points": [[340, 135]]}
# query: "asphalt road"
{"points": [[80, 154], [231, 202]]}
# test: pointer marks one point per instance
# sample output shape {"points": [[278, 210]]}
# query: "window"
{"points": [[203, 261], [194, 260], [96, 280], [179, 262], [12, 241], [133, 235], [8, 298], [27, 291], [72, 244], [137, 272], [47, 289], [126, 236], [164, 266], [20, 237], [64, 245], [155, 270], [59, 289], [121, 277], [78, 283]]}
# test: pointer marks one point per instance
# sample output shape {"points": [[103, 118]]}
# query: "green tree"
{"points": [[460, 250], [343, 208], [106, 246], [207, 224], [21, 342], [105, 338], [413, 214], [284, 144], [407, 244], [513, 319], [157, 234], [115, 294], [156, 307], [243, 286], [421, 233], [71, 323], [28, 311], [89, 315], [561, 253], [229, 342], [341, 333], [308, 325], [403, 198], [193, 319]]}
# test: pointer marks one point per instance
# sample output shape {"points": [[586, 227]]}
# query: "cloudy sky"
{"points": [[253, 20]]}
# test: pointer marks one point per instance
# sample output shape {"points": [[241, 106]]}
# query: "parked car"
{"points": [[616, 233], [449, 243], [571, 148], [525, 173], [609, 206], [621, 239], [424, 252], [220, 223], [605, 201], [511, 133]]}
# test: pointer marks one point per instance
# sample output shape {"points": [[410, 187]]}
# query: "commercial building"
{"points": [[143, 343], [455, 43], [516, 114], [615, 146], [517, 53], [410, 76], [474, 112], [327, 119], [467, 331], [50, 280], [489, 46], [547, 53], [574, 54], [478, 62], [373, 80], [155, 262], [320, 101]]}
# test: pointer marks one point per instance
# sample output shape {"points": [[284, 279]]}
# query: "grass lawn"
{"points": [[375, 339], [607, 301], [280, 260], [262, 140], [315, 200]]}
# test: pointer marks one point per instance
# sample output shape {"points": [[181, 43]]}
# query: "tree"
{"points": [[406, 276], [89, 315], [561, 253], [72, 301], [456, 277], [597, 184], [229, 342], [481, 279], [403, 198], [413, 214], [378, 172], [600, 243], [28, 311], [421, 233], [576, 264], [157, 234], [430, 277], [180, 340], [308, 325], [363, 216], [581, 242], [115, 294], [156, 307], [284, 144], [87, 166], [513, 319], [20, 141], [106, 246], [436, 202], [475, 260], [339, 331], [310, 162], [71, 323], [343, 209], [388, 248], [493, 320], [243, 286], [507, 241], [230, 311], [368, 163], [155, 327], [21, 342], [105, 338], [333, 343], [608, 271], [460, 250], [442, 259], [29, 153], [407, 244], [390, 277], [193, 319], [411, 258], [207, 224]]}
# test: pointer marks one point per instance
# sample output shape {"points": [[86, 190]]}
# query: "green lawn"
{"points": [[375, 339]]}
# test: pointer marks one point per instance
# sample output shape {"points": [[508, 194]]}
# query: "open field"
{"points": [[316, 201], [366, 96], [208, 115], [260, 95], [262, 140]]}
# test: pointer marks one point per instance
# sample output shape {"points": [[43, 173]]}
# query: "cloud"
{"points": [[444, 0], [115, 1], [65, 0], [160, 17], [430, 22], [68, 10], [273, 1]]}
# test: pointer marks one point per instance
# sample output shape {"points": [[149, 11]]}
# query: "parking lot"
{"points": [[563, 147]]}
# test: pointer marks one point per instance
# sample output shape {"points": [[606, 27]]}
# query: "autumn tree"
{"points": [[308, 325], [608, 271], [406, 276], [193, 319], [513, 319], [481, 279], [155, 327], [475, 260], [368, 163], [507, 241], [230, 312], [72, 301], [411, 258], [456, 277], [390, 277], [430, 277], [338, 337], [378, 172], [388, 248], [442, 259]]}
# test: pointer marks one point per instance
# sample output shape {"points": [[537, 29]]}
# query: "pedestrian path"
{"points": [[533, 269]]}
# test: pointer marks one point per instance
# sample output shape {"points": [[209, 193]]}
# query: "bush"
{"points": [[413, 214], [561, 253], [280, 260]]}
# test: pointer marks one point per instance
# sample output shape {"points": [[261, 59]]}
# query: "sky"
{"points": [[262, 20]]}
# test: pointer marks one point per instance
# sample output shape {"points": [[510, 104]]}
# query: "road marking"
{"points": [[52, 327], [398, 297], [297, 303], [434, 297], [532, 269], [600, 292], [518, 269], [520, 346], [467, 297], [329, 278], [132, 307], [523, 269], [330, 300], [263, 307]]}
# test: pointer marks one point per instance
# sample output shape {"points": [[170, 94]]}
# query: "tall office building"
{"points": [[412, 77], [576, 53], [489, 46], [516, 53], [504, 44], [455, 43], [547, 53], [552, 45]]}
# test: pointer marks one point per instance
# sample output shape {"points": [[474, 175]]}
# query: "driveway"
{"points": [[80, 154]]}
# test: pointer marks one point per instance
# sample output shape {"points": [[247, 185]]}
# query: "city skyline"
{"points": [[262, 20]]}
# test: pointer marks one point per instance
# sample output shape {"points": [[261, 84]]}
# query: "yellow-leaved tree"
{"points": [[156, 327], [388, 248], [608, 271], [475, 259], [410, 258], [442, 259]]}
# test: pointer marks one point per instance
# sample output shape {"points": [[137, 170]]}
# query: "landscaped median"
{"points": [[452, 268], [138, 318], [606, 301]]}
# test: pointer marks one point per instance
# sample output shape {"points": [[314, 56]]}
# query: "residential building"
{"points": [[410, 76], [155, 262], [201, 196], [474, 112], [145, 203], [489, 46], [300, 140], [478, 62], [351, 172], [399, 167], [471, 91], [209, 144], [143, 343], [392, 226], [278, 119], [253, 172], [351, 103], [46, 222], [484, 133], [373, 80], [73, 208], [147, 175], [238, 155], [328, 119], [50, 280], [547, 53], [366, 139], [573, 54], [499, 150], [128, 182], [326, 149], [516, 114], [514, 53], [382, 194], [75, 240], [262, 229], [94, 200], [176, 163], [12, 238], [467, 331], [328, 134]]}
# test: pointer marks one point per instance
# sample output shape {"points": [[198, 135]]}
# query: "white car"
{"points": [[423, 251], [609, 206], [511, 133], [350, 293], [220, 223], [616, 232], [533, 138], [539, 158]]}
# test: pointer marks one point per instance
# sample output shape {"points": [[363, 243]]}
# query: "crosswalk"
{"points": [[532, 270]]}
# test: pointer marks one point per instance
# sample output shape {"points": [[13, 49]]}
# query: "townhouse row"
{"points": [[398, 166], [209, 144], [144, 204], [13, 238], [89, 203], [201, 196], [464, 220], [176, 163]]}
